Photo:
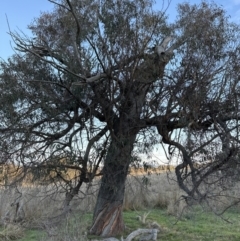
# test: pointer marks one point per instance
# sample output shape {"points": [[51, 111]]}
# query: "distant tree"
{"points": [[117, 72]]}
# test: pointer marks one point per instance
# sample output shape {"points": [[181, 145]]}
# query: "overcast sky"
{"points": [[20, 13]]}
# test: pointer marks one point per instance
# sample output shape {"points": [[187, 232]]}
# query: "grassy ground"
{"points": [[193, 225], [160, 197]]}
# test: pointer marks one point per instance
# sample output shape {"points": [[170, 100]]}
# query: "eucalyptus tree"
{"points": [[116, 75]]}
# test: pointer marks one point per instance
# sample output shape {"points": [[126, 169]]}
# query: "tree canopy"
{"points": [[100, 79]]}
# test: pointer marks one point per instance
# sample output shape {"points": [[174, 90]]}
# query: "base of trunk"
{"points": [[108, 218], [109, 221]]}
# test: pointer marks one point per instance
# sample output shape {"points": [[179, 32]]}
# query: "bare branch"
{"points": [[60, 5], [91, 79]]}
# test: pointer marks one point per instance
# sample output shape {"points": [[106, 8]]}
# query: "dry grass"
{"points": [[155, 190], [11, 232], [142, 191], [42, 203]]}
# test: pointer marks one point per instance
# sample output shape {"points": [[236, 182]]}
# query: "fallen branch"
{"points": [[151, 234], [147, 234]]}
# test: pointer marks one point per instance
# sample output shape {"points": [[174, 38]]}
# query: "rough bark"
{"points": [[108, 219]]}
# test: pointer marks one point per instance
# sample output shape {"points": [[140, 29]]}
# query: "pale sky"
{"points": [[20, 13]]}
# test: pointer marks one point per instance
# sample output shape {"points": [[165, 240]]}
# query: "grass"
{"points": [[160, 197], [193, 225], [32, 235]]}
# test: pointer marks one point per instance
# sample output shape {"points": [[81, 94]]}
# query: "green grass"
{"points": [[32, 235], [28, 235], [193, 225]]}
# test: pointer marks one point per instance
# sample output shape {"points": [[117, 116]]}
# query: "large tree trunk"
{"points": [[108, 219]]}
